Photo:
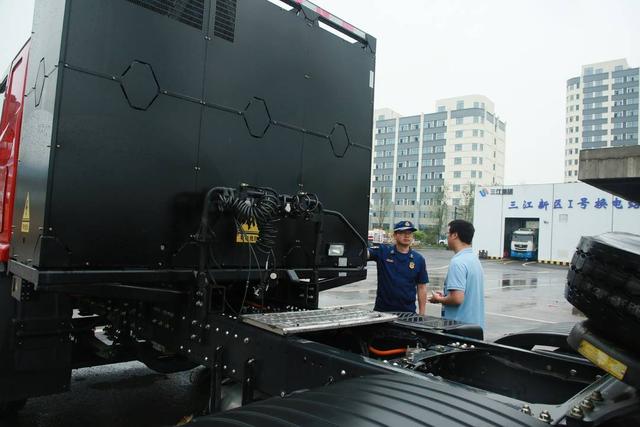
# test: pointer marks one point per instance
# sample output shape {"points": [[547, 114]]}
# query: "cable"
{"points": [[391, 352]]}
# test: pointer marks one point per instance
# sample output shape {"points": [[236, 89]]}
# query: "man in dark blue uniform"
{"points": [[402, 273]]}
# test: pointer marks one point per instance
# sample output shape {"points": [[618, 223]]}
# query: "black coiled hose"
{"points": [[262, 211]]}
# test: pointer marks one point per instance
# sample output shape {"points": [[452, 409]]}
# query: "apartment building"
{"points": [[601, 111], [421, 161]]}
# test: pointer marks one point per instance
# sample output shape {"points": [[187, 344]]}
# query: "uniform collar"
{"points": [[393, 252]]}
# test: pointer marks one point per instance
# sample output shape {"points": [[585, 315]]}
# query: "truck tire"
{"points": [[604, 283], [393, 400]]}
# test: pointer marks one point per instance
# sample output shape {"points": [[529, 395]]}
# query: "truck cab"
{"points": [[524, 244]]}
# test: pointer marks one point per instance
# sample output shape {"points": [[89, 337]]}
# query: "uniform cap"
{"points": [[404, 225]]}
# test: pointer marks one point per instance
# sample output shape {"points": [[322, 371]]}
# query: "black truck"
{"points": [[181, 180]]}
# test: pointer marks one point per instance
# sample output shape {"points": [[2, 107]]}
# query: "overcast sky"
{"points": [[519, 53]]}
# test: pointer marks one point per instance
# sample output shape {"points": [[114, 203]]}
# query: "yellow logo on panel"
{"points": [[26, 216], [248, 234]]}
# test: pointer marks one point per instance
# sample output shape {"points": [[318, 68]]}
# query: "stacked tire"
{"points": [[604, 283]]}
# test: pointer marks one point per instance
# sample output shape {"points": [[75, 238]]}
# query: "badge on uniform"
{"points": [[412, 265], [389, 260]]}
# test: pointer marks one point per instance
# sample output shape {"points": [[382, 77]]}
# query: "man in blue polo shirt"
{"points": [[463, 298], [402, 273]]}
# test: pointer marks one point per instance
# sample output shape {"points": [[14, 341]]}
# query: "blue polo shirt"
{"points": [[465, 274], [398, 276]]}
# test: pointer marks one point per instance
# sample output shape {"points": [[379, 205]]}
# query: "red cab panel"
{"points": [[11, 102]]}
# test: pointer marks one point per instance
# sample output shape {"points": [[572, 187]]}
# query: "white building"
{"points": [[601, 111], [420, 159], [562, 213]]}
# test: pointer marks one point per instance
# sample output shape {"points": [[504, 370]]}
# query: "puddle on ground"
{"points": [[507, 284]]}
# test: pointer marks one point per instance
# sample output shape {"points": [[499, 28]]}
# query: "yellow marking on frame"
{"points": [[249, 234], [602, 359], [26, 216]]}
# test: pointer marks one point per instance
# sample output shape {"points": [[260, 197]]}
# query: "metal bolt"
{"points": [[184, 317], [246, 340], [573, 372], [207, 326], [233, 371], [235, 335], [194, 336], [189, 350], [576, 412], [525, 409], [343, 372], [596, 396], [181, 347], [586, 405], [226, 332], [206, 358], [282, 394], [224, 367], [217, 329], [199, 303], [545, 416]]}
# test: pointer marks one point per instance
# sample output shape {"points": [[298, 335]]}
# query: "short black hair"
{"points": [[464, 229]]}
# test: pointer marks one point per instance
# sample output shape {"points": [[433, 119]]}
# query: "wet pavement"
{"points": [[518, 296]]}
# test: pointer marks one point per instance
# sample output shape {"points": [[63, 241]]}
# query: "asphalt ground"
{"points": [[518, 296]]}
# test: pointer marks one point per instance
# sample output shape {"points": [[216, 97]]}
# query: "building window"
{"points": [[457, 174], [458, 147], [457, 160], [459, 134], [473, 174], [459, 105], [474, 147], [456, 188], [441, 108], [459, 120], [474, 160]]}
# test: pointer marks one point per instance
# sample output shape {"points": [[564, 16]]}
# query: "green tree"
{"points": [[383, 209], [441, 210], [468, 201]]}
